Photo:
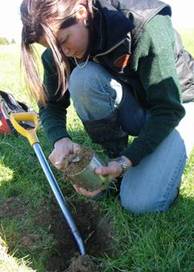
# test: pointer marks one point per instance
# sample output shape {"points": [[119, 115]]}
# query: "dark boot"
{"points": [[108, 133]]}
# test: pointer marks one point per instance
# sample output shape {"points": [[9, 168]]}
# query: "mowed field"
{"points": [[32, 234]]}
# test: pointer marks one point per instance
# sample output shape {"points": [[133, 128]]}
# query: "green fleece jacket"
{"points": [[153, 79]]}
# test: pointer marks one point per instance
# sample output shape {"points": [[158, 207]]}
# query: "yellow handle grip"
{"points": [[30, 134]]}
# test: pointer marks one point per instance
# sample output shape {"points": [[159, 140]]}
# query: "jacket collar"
{"points": [[109, 28]]}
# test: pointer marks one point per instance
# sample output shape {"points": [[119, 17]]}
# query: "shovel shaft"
{"points": [[30, 134], [59, 196]]}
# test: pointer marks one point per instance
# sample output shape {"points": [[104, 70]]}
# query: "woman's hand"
{"points": [[85, 192], [64, 149], [113, 168]]}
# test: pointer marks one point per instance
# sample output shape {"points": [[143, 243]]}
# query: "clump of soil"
{"points": [[81, 171], [74, 167], [29, 240], [12, 207], [96, 231], [84, 263]]}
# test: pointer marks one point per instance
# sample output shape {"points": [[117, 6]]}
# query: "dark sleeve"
{"points": [[53, 115], [156, 70]]}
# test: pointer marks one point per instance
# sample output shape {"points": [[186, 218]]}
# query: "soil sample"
{"points": [[81, 171], [75, 167]]}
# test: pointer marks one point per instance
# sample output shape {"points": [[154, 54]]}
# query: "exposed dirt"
{"points": [[84, 263], [95, 228], [96, 231], [29, 240], [12, 207]]}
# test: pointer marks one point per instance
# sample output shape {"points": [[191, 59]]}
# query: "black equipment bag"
{"points": [[9, 104]]}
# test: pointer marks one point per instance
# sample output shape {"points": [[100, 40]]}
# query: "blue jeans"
{"points": [[152, 185]]}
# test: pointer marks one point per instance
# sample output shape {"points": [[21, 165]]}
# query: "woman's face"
{"points": [[74, 40]]}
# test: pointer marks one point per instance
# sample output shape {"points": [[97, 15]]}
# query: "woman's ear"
{"points": [[82, 13]]}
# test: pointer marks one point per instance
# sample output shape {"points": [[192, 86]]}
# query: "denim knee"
{"points": [[82, 80], [91, 91], [78, 80], [152, 185], [134, 202]]}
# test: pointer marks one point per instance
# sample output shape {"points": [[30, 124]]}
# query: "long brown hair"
{"points": [[37, 16]]}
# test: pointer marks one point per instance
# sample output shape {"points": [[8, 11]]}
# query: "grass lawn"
{"points": [[155, 243]]}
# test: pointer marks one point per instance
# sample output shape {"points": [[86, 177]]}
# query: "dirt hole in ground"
{"points": [[96, 230]]}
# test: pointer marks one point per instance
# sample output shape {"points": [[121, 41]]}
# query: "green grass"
{"points": [[188, 40], [155, 243]]}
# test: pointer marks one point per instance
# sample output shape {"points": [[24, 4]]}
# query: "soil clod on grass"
{"points": [[12, 207], [84, 263], [96, 231]]}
